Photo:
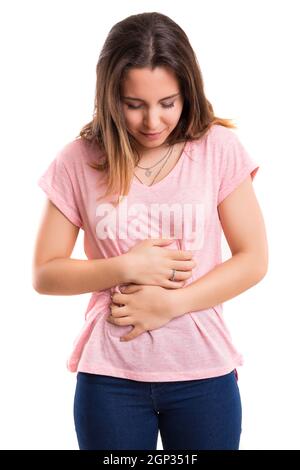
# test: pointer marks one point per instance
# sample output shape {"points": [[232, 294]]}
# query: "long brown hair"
{"points": [[143, 40]]}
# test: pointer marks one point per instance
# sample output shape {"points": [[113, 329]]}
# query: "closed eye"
{"points": [[130, 106]]}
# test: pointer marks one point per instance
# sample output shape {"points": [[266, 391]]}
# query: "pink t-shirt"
{"points": [[196, 344]]}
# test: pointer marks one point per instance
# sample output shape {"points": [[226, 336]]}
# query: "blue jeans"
{"points": [[113, 413]]}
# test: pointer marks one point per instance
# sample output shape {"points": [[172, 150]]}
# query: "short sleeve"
{"points": [[235, 165], [58, 184]]}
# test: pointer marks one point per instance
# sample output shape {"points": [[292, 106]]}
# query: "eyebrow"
{"points": [[138, 99]]}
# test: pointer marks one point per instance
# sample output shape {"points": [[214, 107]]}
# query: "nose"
{"points": [[152, 121]]}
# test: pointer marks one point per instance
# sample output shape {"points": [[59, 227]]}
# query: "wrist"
{"points": [[125, 266], [177, 302]]}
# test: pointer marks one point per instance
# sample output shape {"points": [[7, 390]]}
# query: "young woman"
{"points": [[152, 180]]}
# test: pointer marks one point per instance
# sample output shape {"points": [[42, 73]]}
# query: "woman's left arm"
{"points": [[243, 226]]}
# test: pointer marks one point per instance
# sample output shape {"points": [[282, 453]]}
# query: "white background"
{"points": [[248, 55]]}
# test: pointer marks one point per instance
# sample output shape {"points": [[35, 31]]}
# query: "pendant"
{"points": [[148, 173]]}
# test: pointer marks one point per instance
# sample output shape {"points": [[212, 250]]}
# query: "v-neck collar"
{"points": [[170, 175]]}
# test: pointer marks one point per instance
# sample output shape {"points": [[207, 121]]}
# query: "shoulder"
{"points": [[213, 143], [220, 135], [78, 152], [216, 137]]}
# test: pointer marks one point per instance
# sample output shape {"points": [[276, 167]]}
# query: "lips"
{"points": [[152, 133]]}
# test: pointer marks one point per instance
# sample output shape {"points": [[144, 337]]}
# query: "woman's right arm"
{"points": [[55, 273]]}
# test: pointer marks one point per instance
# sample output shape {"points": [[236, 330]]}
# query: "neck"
{"points": [[148, 156]]}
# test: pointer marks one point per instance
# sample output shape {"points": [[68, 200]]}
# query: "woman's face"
{"points": [[153, 109]]}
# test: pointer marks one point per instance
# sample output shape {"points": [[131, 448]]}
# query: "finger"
{"points": [[173, 284], [118, 298], [180, 254], [118, 313], [183, 265], [130, 288], [179, 275], [118, 310], [119, 321], [134, 333]]}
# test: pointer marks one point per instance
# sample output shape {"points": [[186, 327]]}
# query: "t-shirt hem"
{"points": [[160, 376]]}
